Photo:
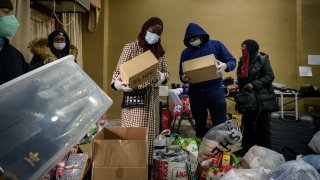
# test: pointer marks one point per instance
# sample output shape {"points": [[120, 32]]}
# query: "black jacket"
{"points": [[12, 63], [261, 76]]}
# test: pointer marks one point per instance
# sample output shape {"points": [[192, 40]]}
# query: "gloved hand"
{"points": [[221, 67], [186, 79], [161, 78], [120, 85]]}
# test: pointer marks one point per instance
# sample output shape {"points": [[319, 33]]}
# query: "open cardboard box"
{"points": [[201, 69], [120, 153], [139, 69]]}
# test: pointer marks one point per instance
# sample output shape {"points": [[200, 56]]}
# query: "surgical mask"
{"points": [[59, 46], [151, 38], [195, 43], [8, 26]]}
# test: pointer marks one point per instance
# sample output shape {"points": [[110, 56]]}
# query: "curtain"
{"points": [[21, 9], [72, 25], [41, 25]]}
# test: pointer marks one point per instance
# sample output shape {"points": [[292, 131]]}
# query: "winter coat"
{"points": [[206, 47], [41, 51], [12, 63], [261, 76]]}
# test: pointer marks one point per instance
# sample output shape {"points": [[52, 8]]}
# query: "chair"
{"points": [[184, 114]]}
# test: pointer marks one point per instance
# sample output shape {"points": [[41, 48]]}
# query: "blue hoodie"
{"points": [[206, 47]]}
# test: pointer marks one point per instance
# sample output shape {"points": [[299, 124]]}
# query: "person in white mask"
{"points": [[12, 62], [207, 95], [55, 47], [144, 113]]}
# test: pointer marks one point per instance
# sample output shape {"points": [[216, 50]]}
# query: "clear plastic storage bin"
{"points": [[43, 114]]}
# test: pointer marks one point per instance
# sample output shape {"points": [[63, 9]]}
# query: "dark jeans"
{"points": [[255, 129], [203, 100]]}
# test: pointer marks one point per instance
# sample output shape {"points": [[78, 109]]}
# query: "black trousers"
{"points": [[203, 100], [255, 129]]}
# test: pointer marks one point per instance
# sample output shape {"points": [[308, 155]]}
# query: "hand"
{"points": [[120, 85], [161, 78], [249, 86], [48, 60], [221, 67], [186, 79]]}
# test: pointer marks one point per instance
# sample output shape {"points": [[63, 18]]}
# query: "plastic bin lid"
{"points": [[43, 114]]}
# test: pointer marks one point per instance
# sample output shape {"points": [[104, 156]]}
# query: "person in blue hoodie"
{"points": [[208, 95]]}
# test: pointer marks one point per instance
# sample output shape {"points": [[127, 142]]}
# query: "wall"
{"points": [[308, 44], [93, 50], [272, 23], [287, 30]]}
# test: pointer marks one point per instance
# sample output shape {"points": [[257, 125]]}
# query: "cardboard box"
{"points": [[86, 148], [201, 69], [126, 173], [139, 69], [120, 152]]}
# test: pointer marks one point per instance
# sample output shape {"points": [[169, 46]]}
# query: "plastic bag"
{"points": [[258, 156], [159, 144], [247, 174], [315, 143], [313, 160], [166, 119], [214, 166], [297, 169], [221, 137], [190, 145]]}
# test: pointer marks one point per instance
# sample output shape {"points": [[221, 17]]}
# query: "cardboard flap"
{"points": [[86, 148], [127, 173], [120, 153], [121, 133]]}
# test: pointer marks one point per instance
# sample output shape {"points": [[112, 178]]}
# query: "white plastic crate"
{"points": [[43, 114]]}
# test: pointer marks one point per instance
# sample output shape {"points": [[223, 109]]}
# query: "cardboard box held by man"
{"points": [[201, 69]]}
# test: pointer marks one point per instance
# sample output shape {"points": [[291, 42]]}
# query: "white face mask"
{"points": [[151, 38], [195, 43], [59, 46]]}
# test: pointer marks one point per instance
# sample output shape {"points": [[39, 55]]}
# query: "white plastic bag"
{"points": [[297, 169], [222, 137], [208, 145], [247, 174], [258, 156], [159, 145], [315, 143]]}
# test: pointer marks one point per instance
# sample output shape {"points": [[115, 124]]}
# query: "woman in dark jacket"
{"points": [[56, 46], [255, 74]]}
